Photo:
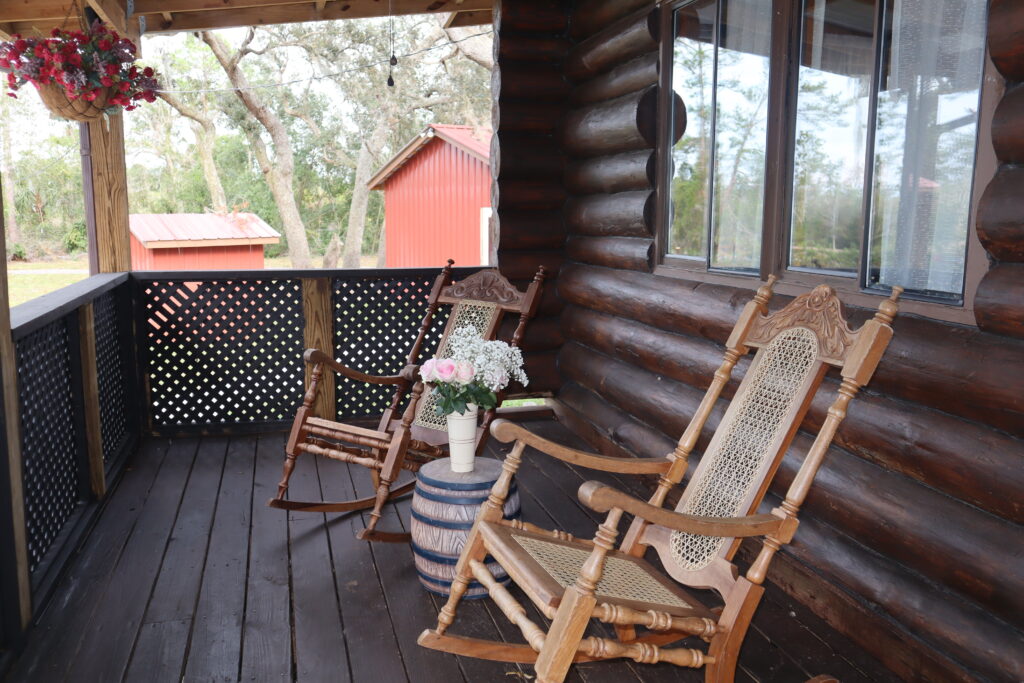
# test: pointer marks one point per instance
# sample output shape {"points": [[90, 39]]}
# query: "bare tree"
{"points": [[280, 172], [206, 133]]}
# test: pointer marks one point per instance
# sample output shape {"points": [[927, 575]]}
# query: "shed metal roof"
{"points": [[171, 230]]}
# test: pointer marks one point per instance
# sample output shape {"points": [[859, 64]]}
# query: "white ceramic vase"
{"points": [[462, 439]]}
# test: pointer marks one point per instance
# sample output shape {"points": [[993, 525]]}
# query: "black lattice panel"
{"points": [[227, 351], [376, 320], [111, 356], [51, 475]]}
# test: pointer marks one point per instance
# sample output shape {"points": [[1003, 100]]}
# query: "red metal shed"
{"points": [[199, 241], [437, 198]]}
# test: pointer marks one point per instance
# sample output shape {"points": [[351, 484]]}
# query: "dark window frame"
{"points": [[778, 198]]}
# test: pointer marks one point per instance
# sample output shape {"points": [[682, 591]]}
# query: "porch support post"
{"points": [[15, 588], [106, 194], [319, 334]]}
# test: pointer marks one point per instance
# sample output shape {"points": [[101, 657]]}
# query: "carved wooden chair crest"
{"points": [[406, 443], [573, 581]]}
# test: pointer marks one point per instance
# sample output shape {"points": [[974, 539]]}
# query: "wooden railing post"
{"points": [[319, 334], [106, 194], [91, 400], [15, 587]]}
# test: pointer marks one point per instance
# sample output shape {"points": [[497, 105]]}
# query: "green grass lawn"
{"points": [[26, 284]]}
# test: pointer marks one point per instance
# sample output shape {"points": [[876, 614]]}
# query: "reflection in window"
{"points": [[833, 108], [924, 152], [722, 76], [693, 73]]}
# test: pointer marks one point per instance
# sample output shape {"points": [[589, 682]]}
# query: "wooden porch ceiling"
{"points": [[170, 16]]}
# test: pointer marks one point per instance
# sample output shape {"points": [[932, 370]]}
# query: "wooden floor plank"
{"points": [[61, 626], [407, 604], [104, 652], [319, 644], [266, 633], [251, 602], [173, 600], [373, 647], [158, 652], [216, 638]]}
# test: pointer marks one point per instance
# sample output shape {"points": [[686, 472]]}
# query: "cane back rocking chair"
{"points": [[572, 581], [480, 301]]}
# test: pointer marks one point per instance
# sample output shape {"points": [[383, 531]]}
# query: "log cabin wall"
{"points": [[530, 95], [910, 542]]}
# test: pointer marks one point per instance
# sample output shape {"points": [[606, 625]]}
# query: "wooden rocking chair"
{"points": [[481, 301], [572, 581]]}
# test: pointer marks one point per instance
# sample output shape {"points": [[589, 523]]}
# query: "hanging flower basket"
{"points": [[56, 100], [80, 75]]}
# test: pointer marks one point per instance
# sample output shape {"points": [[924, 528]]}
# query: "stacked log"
{"points": [[999, 303], [909, 543], [531, 97]]}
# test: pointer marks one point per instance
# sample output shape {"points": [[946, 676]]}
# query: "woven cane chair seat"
{"points": [[553, 566]]}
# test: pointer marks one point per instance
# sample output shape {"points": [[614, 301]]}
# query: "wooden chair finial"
{"points": [[888, 309], [764, 292]]}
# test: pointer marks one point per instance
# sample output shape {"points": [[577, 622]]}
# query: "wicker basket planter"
{"points": [[79, 109]]}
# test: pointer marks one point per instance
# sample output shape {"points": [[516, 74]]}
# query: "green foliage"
{"points": [[453, 398], [17, 252], [75, 239]]}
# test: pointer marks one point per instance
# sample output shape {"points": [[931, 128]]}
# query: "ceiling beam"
{"points": [[173, 6], [29, 16], [468, 18], [296, 12], [114, 14]]}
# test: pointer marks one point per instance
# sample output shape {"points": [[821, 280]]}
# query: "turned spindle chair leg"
{"points": [[289, 467]]}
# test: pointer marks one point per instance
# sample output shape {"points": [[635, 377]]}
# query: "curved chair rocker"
{"points": [[573, 581], [481, 301]]}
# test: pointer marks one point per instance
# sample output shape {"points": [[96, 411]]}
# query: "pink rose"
{"points": [[444, 369], [464, 372], [427, 370]]}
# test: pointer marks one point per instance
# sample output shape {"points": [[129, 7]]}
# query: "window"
{"points": [[847, 151]]}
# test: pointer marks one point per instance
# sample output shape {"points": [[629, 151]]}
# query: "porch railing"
{"points": [[105, 361], [75, 363]]}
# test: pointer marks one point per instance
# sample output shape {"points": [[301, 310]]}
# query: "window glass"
{"points": [[741, 133], [832, 114], [693, 75], [924, 152]]}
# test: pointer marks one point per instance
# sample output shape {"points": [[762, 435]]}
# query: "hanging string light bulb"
{"points": [[393, 62]]}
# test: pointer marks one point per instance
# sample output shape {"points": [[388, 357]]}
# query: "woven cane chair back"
{"points": [[482, 316], [480, 301], [794, 348]]}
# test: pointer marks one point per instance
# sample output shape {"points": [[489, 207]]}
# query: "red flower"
{"points": [[89, 96], [133, 72], [111, 69], [75, 59], [104, 44], [20, 45], [107, 81], [55, 33], [147, 72], [123, 86]]}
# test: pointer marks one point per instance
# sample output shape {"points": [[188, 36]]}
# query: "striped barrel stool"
{"points": [[444, 505]]}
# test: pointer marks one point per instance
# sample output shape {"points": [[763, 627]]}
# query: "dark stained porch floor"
{"points": [[187, 575]]}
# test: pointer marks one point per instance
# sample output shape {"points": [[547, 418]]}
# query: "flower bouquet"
{"points": [[79, 75], [470, 377]]}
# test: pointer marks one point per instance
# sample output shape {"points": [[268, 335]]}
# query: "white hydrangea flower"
{"points": [[496, 362]]}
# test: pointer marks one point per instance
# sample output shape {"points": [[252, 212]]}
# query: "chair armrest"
{"points": [[506, 431], [602, 498], [406, 376]]}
